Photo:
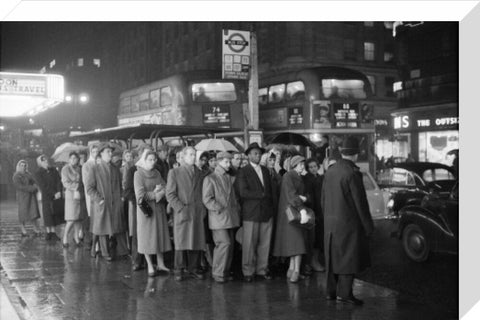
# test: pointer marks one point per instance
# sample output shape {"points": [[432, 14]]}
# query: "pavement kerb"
{"points": [[14, 298]]}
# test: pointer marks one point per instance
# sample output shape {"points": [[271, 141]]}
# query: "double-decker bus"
{"points": [[197, 98], [317, 101]]}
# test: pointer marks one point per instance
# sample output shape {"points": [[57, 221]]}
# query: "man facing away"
{"points": [[348, 224], [184, 195], [223, 215], [257, 197]]}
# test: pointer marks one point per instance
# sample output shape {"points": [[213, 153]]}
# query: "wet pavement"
{"points": [[50, 282]]}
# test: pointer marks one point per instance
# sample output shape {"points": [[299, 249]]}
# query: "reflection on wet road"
{"points": [[58, 283]]}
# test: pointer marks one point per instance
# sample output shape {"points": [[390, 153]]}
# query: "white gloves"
{"points": [[303, 216]]}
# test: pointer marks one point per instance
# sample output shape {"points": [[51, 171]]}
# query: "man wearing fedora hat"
{"points": [[104, 186], [348, 224], [257, 197]]}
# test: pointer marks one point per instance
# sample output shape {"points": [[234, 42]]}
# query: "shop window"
{"points": [[215, 92], [295, 91], [369, 51], [433, 146], [276, 93], [262, 96]]}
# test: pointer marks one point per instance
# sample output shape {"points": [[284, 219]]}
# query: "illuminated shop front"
{"points": [[430, 134]]}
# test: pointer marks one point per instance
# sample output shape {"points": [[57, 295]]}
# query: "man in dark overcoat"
{"points": [[104, 186], [184, 195], [348, 224], [257, 196]]}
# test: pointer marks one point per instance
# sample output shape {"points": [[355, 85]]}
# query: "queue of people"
{"points": [[214, 200]]}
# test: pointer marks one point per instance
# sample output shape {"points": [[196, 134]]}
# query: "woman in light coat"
{"points": [[152, 231], [289, 239], [26, 197], [75, 207]]}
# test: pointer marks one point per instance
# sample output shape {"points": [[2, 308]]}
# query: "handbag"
{"points": [[294, 216], [145, 207]]}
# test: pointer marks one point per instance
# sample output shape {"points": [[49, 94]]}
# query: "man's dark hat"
{"points": [[350, 146], [254, 146]]}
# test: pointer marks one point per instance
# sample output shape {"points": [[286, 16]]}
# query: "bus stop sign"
{"points": [[235, 54]]}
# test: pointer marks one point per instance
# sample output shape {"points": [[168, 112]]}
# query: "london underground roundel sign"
{"points": [[235, 54]]}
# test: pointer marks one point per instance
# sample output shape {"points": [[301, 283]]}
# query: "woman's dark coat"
{"points": [[50, 182]]}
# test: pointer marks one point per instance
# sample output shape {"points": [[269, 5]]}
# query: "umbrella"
{"points": [[215, 145], [292, 139], [63, 151]]}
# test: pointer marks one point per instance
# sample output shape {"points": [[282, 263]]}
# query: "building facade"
{"points": [[426, 121]]}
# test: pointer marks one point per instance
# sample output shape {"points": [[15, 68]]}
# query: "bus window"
{"points": [[144, 101], [276, 93], [155, 99], [215, 92], [125, 105], [295, 91], [262, 96], [135, 103], [166, 96], [345, 89]]}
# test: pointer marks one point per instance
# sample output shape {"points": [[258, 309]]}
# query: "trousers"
{"points": [[256, 247], [223, 252]]}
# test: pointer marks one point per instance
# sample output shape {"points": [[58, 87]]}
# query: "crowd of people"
{"points": [[141, 205]]}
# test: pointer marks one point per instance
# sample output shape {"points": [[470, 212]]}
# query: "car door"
{"points": [[376, 200]]}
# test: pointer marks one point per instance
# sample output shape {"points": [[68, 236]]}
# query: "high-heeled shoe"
{"points": [[65, 245], [289, 273], [162, 271], [294, 277], [78, 244]]}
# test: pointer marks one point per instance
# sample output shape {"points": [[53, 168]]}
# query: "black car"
{"points": [[431, 226], [408, 183]]}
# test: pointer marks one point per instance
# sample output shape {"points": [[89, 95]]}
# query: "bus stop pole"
{"points": [[252, 89]]}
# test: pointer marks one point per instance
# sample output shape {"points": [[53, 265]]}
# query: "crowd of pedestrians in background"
{"points": [[143, 204]]}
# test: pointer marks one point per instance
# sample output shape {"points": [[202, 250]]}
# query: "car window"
{"points": [[396, 177], [367, 182], [443, 174]]}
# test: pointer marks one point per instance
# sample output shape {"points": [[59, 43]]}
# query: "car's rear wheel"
{"points": [[415, 243]]}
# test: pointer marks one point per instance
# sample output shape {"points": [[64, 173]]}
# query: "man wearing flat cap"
{"points": [[348, 224], [223, 215], [257, 196], [104, 186]]}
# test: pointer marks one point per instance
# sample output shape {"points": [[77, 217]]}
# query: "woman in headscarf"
{"points": [[50, 183], [26, 197], [75, 207], [289, 239], [152, 231]]}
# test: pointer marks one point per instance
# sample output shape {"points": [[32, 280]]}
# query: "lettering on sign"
{"points": [[401, 122], [235, 54], [446, 121], [423, 123], [31, 87], [216, 114]]}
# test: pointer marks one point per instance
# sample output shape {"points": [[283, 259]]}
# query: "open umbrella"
{"points": [[215, 145], [289, 138], [63, 151]]}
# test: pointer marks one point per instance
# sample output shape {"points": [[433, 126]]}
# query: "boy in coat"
{"points": [[223, 215]]}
